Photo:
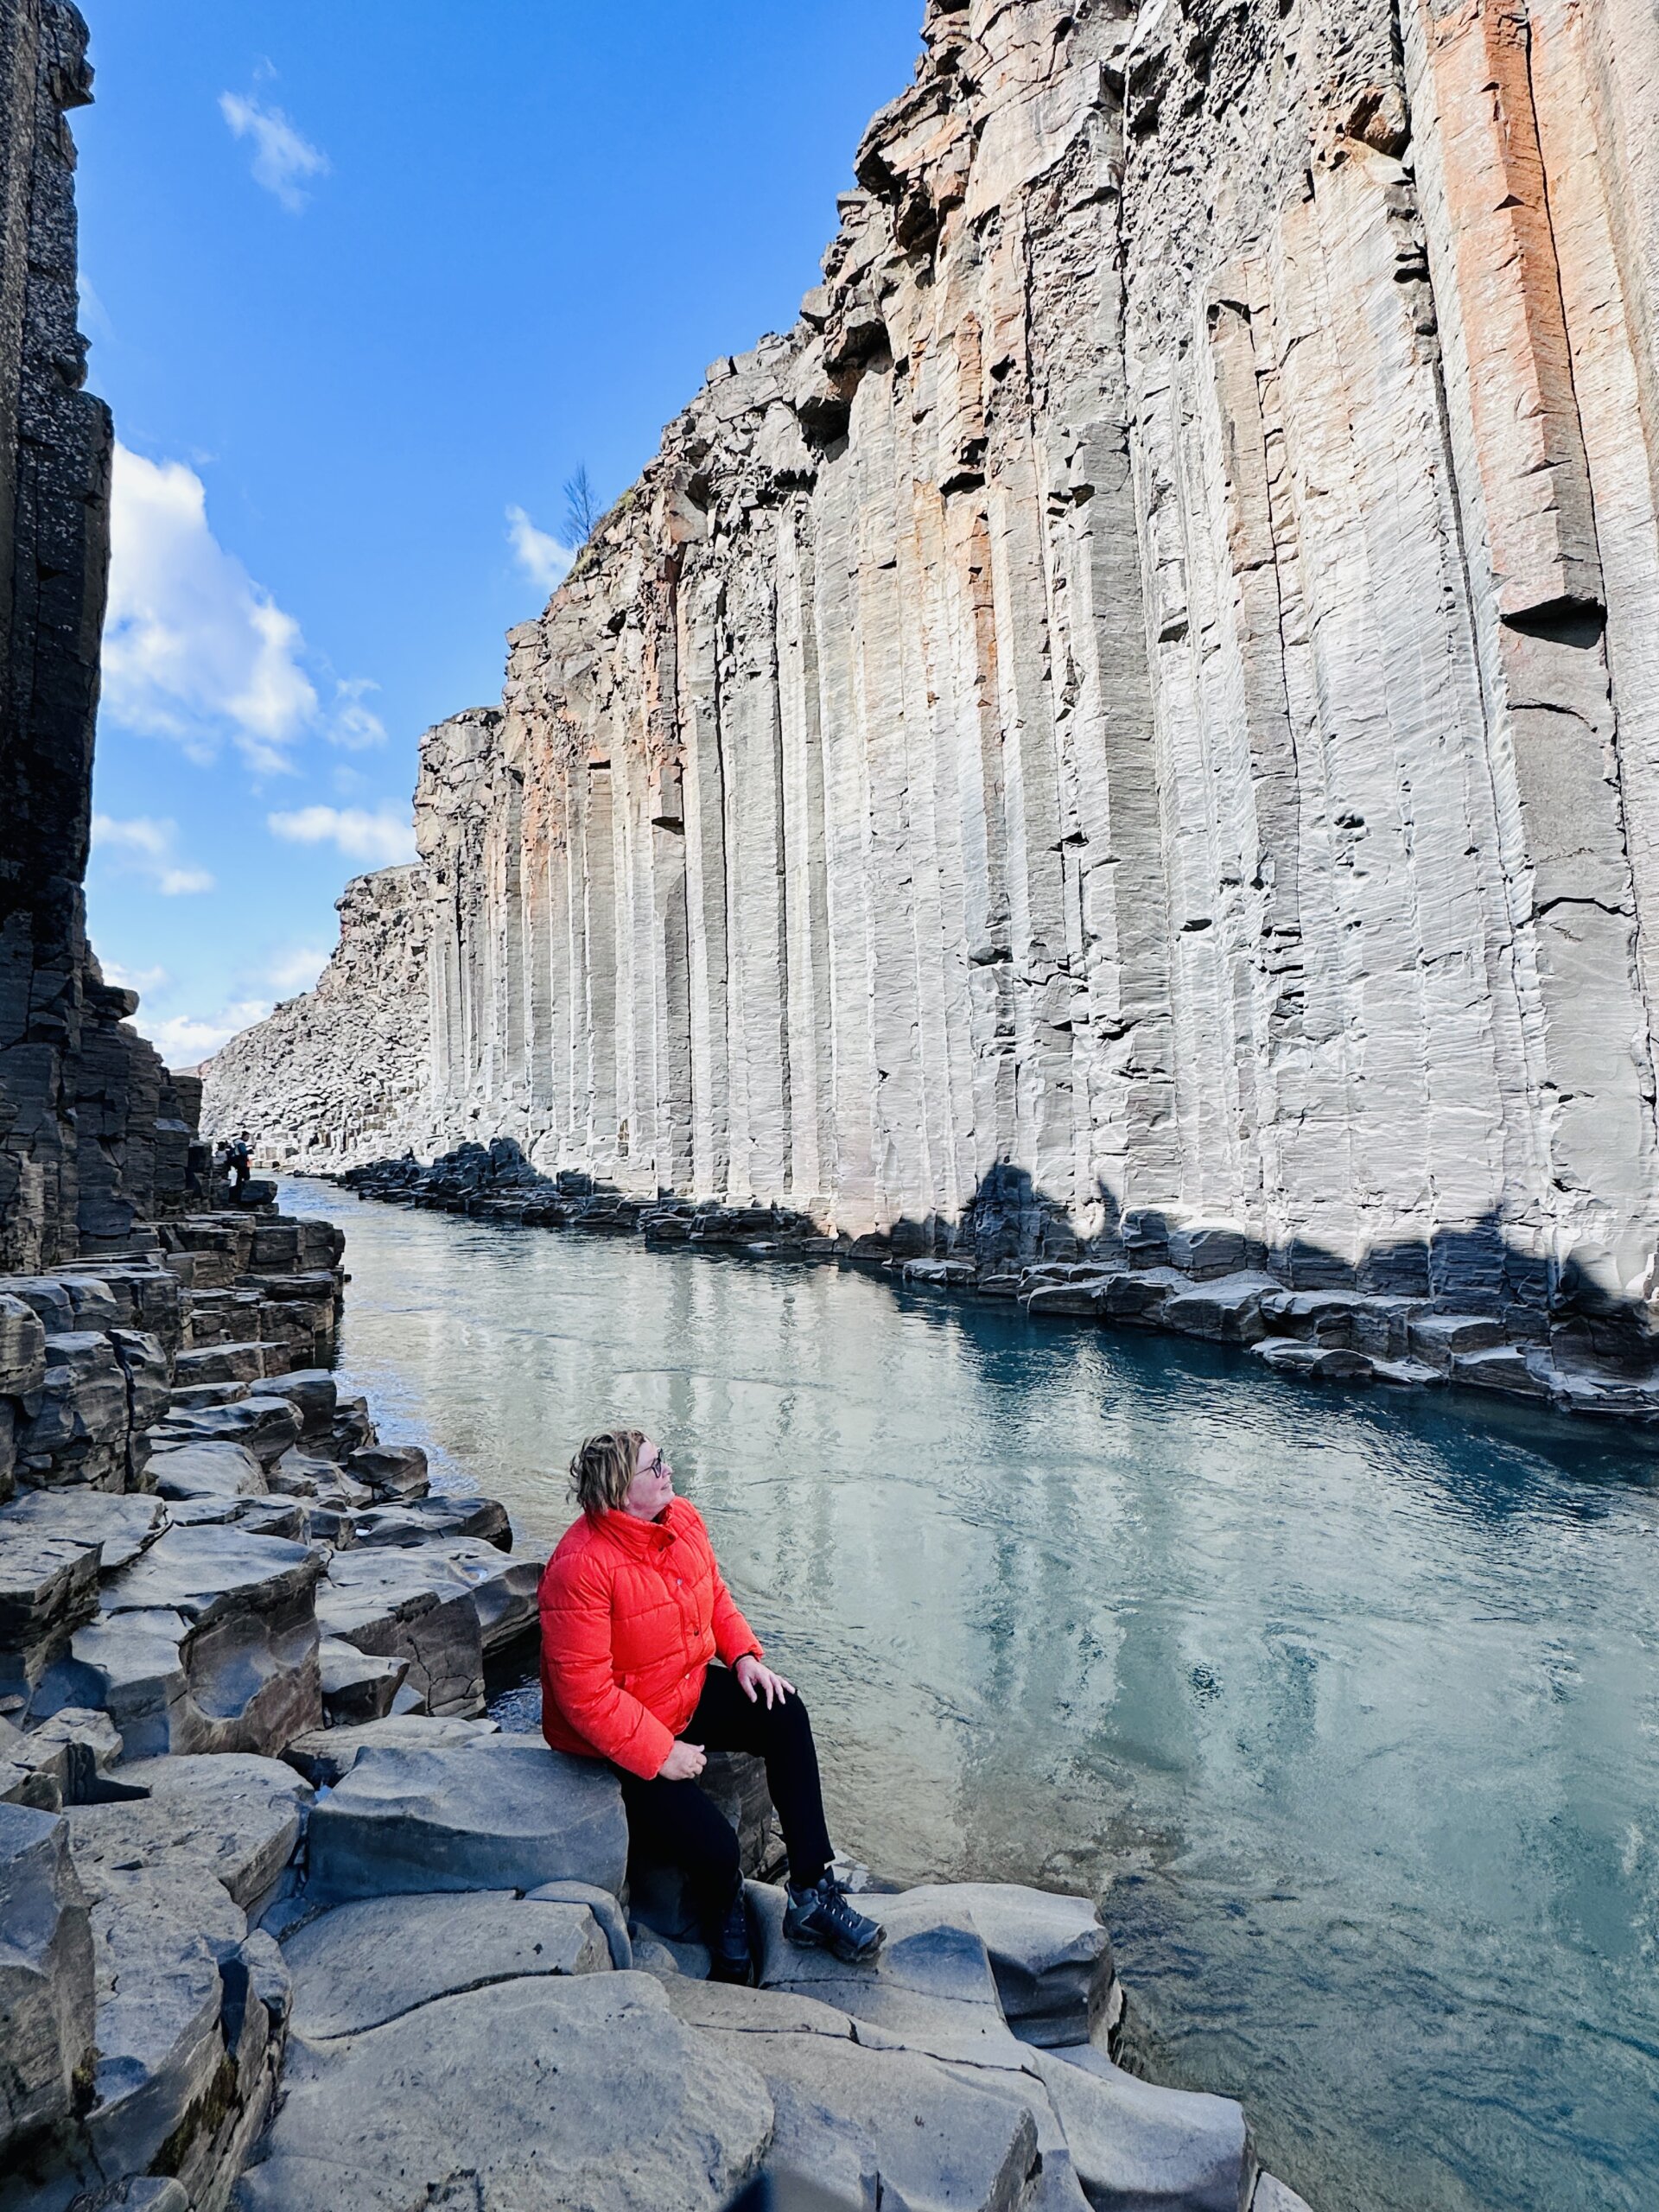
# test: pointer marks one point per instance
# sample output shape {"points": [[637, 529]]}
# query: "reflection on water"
{"points": [[1349, 1698]]}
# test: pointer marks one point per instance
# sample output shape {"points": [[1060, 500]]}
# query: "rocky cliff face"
{"points": [[95, 1133], [1143, 707], [339, 1076]]}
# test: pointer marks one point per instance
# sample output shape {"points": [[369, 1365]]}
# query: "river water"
{"points": [[1346, 1701]]}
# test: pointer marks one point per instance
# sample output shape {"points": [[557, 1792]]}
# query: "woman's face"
{"points": [[652, 1485]]}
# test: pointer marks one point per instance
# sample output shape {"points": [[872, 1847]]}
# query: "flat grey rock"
{"points": [[210, 1468], [399, 1604], [932, 1990], [502, 1812], [417, 1520], [326, 1755], [121, 1526], [267, 1426], [1274, 2196], [238, 1817], [1140, 2148], [46, 1987], [48, 1588], [544, 2094], [357, 1688], [754, 2011], [603, 1906], [366, 1963], [1051, 1957], [888, 2127]]}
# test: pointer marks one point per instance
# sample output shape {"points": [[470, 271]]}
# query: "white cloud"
{"points": [[296, 970], [283, 160], [192, 647], [145, 980], [147, 848], [355, 727], [539, 554], [385, 837], [184, 1039]]}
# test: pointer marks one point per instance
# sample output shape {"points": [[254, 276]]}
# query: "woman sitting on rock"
{"points": [[633, 1608]]}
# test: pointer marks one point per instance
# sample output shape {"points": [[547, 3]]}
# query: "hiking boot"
{"points": [[730, 1957], [821, 1919]]}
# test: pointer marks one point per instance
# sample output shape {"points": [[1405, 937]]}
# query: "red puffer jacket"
{"points": [[631, 1613]]}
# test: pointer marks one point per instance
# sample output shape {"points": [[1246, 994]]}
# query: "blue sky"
{"points": [[365, 285]]}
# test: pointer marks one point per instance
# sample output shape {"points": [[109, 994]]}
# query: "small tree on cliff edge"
{"points": [[581, 510]]}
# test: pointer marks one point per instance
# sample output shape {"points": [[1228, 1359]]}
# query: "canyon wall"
{"points": [[95, 1133], [339, 1076], [1143, 706]]}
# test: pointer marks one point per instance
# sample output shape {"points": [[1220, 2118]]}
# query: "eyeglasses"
{"points": [[660, 1465]]}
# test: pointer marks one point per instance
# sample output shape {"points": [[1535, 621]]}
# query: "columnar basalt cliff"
{"points": [[1142, 709], [95, 1133], [339, 1076]]}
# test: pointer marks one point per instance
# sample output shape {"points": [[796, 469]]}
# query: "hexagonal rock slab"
{"points": [[1135, 2145], [889, 2126], [46, 1973], [365, 1964], [1051, 1958], [931, 1991], [239, 1817], [121, 1525], [501, 1813], [207, 1469], [532, 2095], [396, 1605], [325, 1755]]}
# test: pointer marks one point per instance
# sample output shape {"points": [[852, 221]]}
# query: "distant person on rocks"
{"points": [[239, 1162], [633, 1609]]}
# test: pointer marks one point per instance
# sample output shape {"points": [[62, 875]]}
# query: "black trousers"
{"points": [[676, 1822]]}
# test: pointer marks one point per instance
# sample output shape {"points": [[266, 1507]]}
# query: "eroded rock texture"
{"points": [[95, 1134], [1142, 708], [339, 1076]]}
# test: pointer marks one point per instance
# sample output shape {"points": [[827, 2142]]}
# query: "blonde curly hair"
{"points": [[603, 1469]]}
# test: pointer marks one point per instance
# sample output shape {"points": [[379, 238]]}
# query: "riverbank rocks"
{"points": [[325, 1755], [366, 1963], [1050, 1956], [538, 2093], [392, 1603], [236, 1818], [1133, 2143], [500, 1812], [46, 1977]]}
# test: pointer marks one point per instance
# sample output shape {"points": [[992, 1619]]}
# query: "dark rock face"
{"points": [[95, 1133]]}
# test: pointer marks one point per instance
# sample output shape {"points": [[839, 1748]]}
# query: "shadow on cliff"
{"points": [[1011, 1221]]}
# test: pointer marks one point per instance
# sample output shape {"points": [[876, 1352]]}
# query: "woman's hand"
{"points": [[684, 1763], [754, 1678]]}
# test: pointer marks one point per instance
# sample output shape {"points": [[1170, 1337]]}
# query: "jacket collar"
{"points": [[637, 1537]]}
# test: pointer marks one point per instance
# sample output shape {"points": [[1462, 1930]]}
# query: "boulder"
{"points": [[1504, 1367], [1437, 1338], [1227, 1311], [313, 1395], [148, 1368], [65, 1761], [48, 1588], [46, 1975], [887, 2128], [244, 1362], [246, 1642], [77, 1420], [932, 1990], [23, 1349], [121, 1526], [1273, 2196], [326, 1755], [364, 1964], [1140, 2148], [417, 1520], [502, 1585], [267, 1426], [530, 2096], [398, 1604], [1313, 1362], [356, 1686], [237, 1817], [390, 1471], [207, 1470], [603, 1906], [501, 1812], [1050, 1956]]}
